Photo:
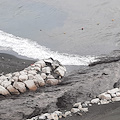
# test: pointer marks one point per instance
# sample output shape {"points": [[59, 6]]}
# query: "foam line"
{"points": [[32, 49]]}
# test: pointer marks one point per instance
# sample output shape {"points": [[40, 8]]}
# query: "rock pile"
{"points": [[78, 108], [41, 73]]}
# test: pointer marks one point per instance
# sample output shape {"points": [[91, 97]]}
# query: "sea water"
{"points": [[73, 32]]}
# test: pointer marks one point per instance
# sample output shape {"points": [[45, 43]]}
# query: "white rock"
{"points": [[53, 116], [104, 101], [30, 77], [49, 60], [60, 71], [105, 96], [12, 90], [31, 85], [39, 80], [77, 104], [33, 72], [42, 117], [67, 113], [52, 81], [46, 70], [96, 100], [15, 78], [23, 77], [55, 64], [113, 91], [58, 113], [83, 109], [23, 72], [43, 75], [16, 74], [116, 99], [42, 63], [6, 83], [113, 95], [118, 94], [3, 77], [3, 91], [20, 86], [75, 110], [38, 65], [50, 77], [37, 68], [8, 75]]}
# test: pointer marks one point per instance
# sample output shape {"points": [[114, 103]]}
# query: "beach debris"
{"points": [[82, 28], [113, 19], [41, 73]]}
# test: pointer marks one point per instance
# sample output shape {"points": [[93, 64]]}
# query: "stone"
{"points": [[37, 68], [4, 91], [15, 78], [6, 83], [23, 77], [83, 109], [38, 65], [116, 99], [16, 74], [113, 95], [75, 110], [46, 70], [52, 81], [58, 113], [3, 77], [20, 86], [50, 77], [30, 85], [113, 91], [12, 90], [54, 116], [55, 64], [96, 100], [118, 94], [24, 72], [33, 72], [77, 104], [39, 80], [8, 75], [60, 71], [49, 60], [105, 96], [43, 75], [30, 77], [41, 62], [67, 113], [104, 101], [42, 117]]}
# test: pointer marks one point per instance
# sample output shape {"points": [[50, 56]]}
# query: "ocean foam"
{"points": [[32, 49]]}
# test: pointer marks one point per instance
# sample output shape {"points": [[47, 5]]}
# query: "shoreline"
{"points": [[29, 101]]}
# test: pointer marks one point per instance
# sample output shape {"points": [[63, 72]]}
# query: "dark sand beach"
{"points": [[30, 104]]}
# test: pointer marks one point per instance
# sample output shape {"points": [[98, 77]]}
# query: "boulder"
{"points": [[43, 75], [30, 85], [33, 72], [39, 81], [75, 110], [41, 62], [104, 101], [60, 71], [46, 70], [12, 90], [105, 96], [23, 77], [20, 86], [67, 113], [3, 91], [23, 72], [96, 100], [55, 64], [113, 91], [15, 78], [6, 83], [118, 94], [83, 109], [49, 60], [37, 68], [16, 74], [52, 81], [8, 75], [77, 104], [116, 99], [30, 77]]}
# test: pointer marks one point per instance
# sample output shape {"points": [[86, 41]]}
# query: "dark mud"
{"points": [[80, 85]]}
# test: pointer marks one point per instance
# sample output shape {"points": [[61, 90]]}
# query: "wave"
{"points": [[31, 49]]}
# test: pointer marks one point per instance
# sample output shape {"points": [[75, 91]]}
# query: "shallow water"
{"points": [[57, 24]]}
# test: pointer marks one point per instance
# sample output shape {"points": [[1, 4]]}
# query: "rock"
{"points": [[117, 84], [96, 100], [16, 74], [60, 71], [46, 70], [6, 83], [30, 77], [4, 91], [116, 99], [37, 68], [15, 78], [39, 80], [83, 109], [113, 91], [68, 113], [43, 75], [42, 117], [41, 62], [77, 104], [8, 75], [38, 65], [20, 86], [52, 81], [50, 77], [105, 96], [33, 72], [104, 101], [58, 113], [55, 64], [54, 116], [30, 85], [24, 72], [23, 77], [49, 60], [113, 95], [117, 94], [12, 90], [75, 110], [3, 77]]}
